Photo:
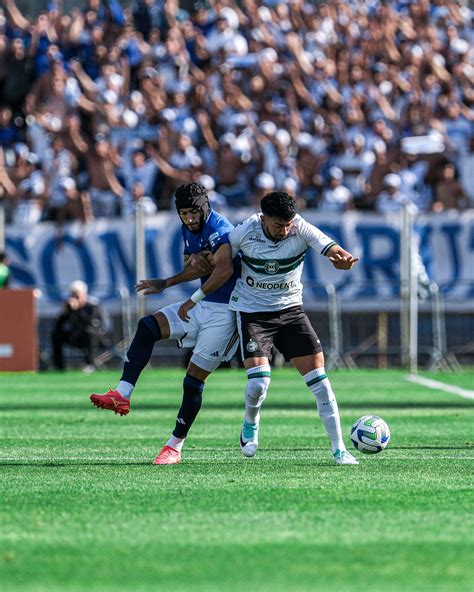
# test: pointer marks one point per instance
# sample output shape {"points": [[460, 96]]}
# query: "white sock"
{"points": [[176, 443], [256, 391], [318, 383], [252, 415], [125, 389]]}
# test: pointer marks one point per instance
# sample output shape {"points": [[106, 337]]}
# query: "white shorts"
{"points": [[211, 331]]}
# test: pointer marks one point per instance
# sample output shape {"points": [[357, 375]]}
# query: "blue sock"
{"points": [[190, 405], [141, 348]]}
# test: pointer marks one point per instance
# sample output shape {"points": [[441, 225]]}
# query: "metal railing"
{"points": [[440, 358], [336, 357]]}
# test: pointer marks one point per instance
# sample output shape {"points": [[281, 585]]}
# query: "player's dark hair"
{"points": [[192, 195], [278, 204]]}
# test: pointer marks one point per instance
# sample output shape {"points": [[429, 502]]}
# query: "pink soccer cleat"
{"points": [[112, 400], [168, 456]]}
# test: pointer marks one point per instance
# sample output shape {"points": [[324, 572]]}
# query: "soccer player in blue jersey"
{"points": [[210, 328]]}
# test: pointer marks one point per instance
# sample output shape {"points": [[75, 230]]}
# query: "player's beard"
{"points": [[196, 228], [270, 235]]}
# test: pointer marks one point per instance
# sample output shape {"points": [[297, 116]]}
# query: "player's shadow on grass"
{"points": [[228, 406], [414, 448], [455, 404], [75, 463], [263, 458]]}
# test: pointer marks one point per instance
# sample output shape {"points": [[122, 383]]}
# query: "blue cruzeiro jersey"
{"points": [[214, 233]]}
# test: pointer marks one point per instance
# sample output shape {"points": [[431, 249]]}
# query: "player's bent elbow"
{"points": [[228, 271], [224, 269]]}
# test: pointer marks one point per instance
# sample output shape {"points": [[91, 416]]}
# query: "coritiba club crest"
{"points": [[272, 267]]}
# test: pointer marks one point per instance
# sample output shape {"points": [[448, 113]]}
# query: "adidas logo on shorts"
{"points": [[215, 354]]}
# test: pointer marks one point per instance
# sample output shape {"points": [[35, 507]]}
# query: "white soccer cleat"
{"points": [[343, 457], [249, 439]]}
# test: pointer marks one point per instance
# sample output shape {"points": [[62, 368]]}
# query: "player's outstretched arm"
{"points": [[340, 258], [196, 266], [224, 268], [151, 286], [316, 239]]}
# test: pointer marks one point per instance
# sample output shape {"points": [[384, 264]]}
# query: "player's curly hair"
{"points": [[190, 190], [278, 204]]}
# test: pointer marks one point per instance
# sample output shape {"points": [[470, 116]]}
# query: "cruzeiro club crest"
{"points": [[251, 346], [272, 267]]}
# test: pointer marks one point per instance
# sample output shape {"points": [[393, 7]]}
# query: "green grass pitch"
{"points": [[83, 508]]}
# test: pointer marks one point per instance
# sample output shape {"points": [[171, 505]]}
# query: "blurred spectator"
{"points": [[264, 183], [449, 194], [9, 132], [136, 168], [139, 197], [217, 200], [309, 159], [336, 197], [68, 203], [81, 324], [184, 156], [230, 173], [391, 199], [18, 75], [7, 187], [376, 172], [4, 270], [105, 189], [354, 161], [58, 163], [30, 200]]}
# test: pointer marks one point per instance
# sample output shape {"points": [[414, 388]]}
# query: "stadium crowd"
{"points": [[365, 105]]}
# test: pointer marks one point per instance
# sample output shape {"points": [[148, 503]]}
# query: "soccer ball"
{"points": [[370, 434]]}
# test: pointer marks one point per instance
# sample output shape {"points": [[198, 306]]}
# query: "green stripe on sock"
{"points": [[317, 379], [259, 375]]}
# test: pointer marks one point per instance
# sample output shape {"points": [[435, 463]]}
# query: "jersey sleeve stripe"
{"points": [[327, 247]]}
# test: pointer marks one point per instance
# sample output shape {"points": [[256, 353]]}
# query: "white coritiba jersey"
{"points": [[271, 271]]}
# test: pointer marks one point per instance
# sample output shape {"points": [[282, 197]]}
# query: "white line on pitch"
{"points": [[440, 386]]}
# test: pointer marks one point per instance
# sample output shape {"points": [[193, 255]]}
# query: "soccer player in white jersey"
{"points": [[268, 301]]}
